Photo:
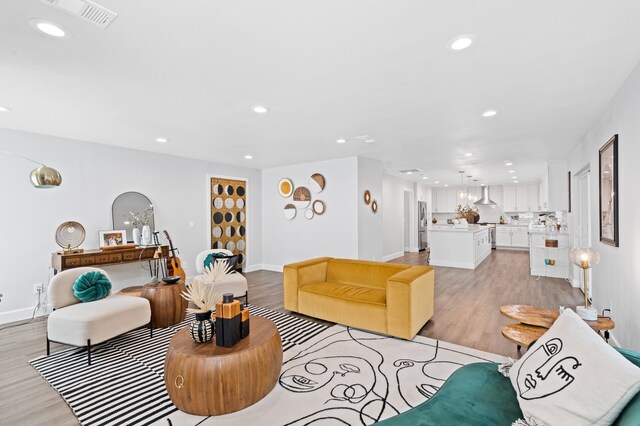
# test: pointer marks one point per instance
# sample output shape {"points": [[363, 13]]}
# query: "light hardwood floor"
{"points": [[466, 313]]}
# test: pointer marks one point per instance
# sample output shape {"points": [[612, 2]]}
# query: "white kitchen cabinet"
{"points": [[554, 191], [509, 195], [522, 198], [512, 236], [520, 237], [534, 201], [503, 236], [453, 200]]}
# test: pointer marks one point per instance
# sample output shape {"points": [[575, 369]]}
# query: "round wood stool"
{"points": [[168, 307], [208, 380], [131, 291]]}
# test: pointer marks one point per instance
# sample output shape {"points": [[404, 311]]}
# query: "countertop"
{"points": [[449, 228]]}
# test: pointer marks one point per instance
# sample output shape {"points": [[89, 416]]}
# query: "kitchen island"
{"points": [[459, 248]]}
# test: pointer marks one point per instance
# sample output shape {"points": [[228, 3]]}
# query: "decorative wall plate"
{"points": [[301, 197], [290, 211], [367, 197], [318, 207], [374, 206], [285, 187], [317, 183], [308, 213]]}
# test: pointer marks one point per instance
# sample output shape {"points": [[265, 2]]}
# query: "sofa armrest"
{"points": [[409, 301], [296, 275]]}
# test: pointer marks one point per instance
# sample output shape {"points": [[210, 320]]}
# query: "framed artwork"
{"points": [[569, 186], [112, 238], [608, 180]]}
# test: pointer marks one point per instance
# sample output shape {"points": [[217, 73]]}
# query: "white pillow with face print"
{"points": [[571, 376]]}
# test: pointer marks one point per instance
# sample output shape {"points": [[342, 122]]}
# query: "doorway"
{"points": [[407, 215], [582, 235]]}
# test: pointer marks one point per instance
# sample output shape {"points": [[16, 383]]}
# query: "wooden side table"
{"points": [[209, 380], [535, 321], [168, 307]]}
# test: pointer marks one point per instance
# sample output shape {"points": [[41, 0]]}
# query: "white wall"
{"points": [[93, 176], [393, 190], [370, 238], [334, 234], [616, 280]]}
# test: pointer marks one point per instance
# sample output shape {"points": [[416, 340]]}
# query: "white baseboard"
{"points": [[463, 265], [274, 268], [252, 268], [23, 314], [392, 256]]}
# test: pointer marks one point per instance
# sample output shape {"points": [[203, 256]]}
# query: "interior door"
{"points": [[228, 217]]}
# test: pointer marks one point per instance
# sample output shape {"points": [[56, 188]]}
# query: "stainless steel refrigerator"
{"points": [[422, 225]]}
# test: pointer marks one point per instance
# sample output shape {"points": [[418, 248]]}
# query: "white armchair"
{"points": [[88, 323], [236, 283]]}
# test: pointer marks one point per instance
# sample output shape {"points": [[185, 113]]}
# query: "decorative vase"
{"points": [[137, 236], [146, 235], [202, 328]]}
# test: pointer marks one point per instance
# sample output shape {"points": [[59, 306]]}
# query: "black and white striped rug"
{"points": [[125, 385]]}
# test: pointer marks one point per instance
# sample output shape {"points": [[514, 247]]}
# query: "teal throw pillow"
{"points": [[92, 285], [210, 258]]}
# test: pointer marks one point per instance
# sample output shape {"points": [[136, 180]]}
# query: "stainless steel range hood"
{"points": [[485, 200]]}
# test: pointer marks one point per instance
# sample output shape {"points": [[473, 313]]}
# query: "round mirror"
{"points": [[132, 210]]}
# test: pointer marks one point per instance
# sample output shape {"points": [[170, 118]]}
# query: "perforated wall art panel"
{"points": [[228, 217]]}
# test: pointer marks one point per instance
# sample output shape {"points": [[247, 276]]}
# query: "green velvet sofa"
{"points": [[477, 394]]}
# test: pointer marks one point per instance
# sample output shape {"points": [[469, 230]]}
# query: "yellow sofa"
{"points": [[385, 298]]}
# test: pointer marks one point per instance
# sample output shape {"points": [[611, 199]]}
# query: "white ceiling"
{"points": [[192, 70]]}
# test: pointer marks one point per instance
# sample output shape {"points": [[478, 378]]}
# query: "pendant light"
{"points": [[462, 193], [469, 196], [43, 177], [475, 190]]}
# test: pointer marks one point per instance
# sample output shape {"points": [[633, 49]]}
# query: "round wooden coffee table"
{"points": [[208, 380], [168, 307], [535, 321]]}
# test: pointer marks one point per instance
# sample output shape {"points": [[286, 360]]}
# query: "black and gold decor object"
{"points": [[232, 322]]}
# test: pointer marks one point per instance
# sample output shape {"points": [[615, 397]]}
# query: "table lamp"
{"points": [[585, 258]]}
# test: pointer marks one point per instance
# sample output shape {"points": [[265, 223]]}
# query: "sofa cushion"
{"points": [[98, 321], [571, 376], [348, 292], [362, 272]]}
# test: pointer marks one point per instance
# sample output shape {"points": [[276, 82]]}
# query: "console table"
{"points": [[62, 261]]}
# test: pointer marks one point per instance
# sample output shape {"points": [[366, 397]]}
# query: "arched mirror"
{"points": [[132, 210]]}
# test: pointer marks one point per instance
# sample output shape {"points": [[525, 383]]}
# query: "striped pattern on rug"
{"points": [[125, 383]]}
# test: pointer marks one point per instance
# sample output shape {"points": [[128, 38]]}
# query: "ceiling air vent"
{"points": [[410, 171], [86, 10]]}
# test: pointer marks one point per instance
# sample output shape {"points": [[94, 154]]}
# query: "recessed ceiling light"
{"points": [[514, 177], [462, 41], [369, 141], [409, 173], [49, 28], [512, 171], [508, 163], [424, 177], [248, 157], [445, 185], [515, 181], [162, 140], [489, 113], [468, 154], [259, 109], [437, 181], [341, 141], [5, 109]]}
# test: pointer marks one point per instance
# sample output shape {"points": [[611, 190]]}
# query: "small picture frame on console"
{"points": [[112, 238]]}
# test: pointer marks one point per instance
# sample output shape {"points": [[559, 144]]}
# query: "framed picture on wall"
{"points": [[112, 238], [608, 174]]}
